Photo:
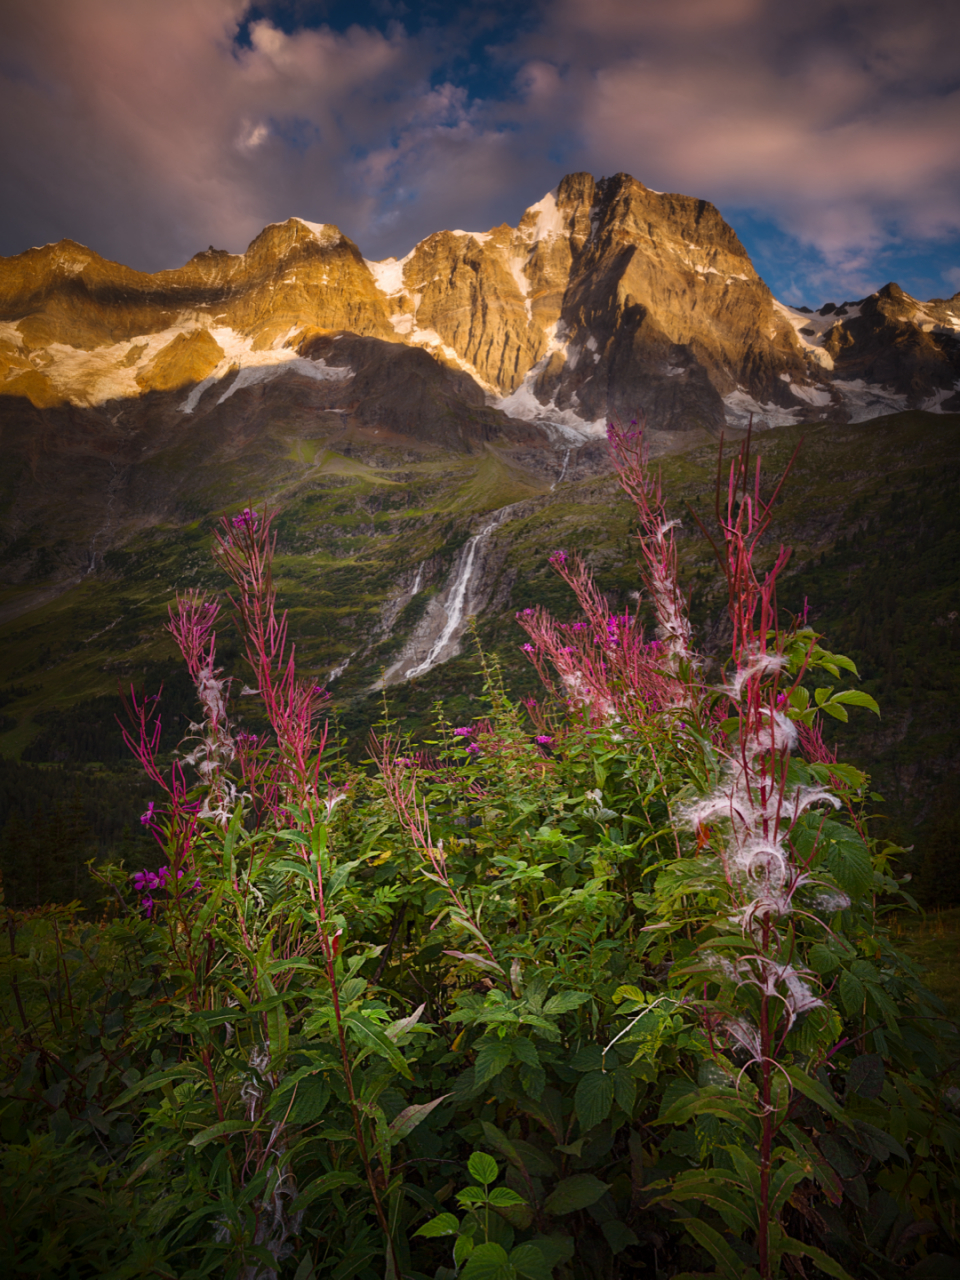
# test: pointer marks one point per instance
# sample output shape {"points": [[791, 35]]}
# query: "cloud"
{"points": [[148, 131]]}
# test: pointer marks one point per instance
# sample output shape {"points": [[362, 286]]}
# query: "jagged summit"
{"points": [[605, 297]]}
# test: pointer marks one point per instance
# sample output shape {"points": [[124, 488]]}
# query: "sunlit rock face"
{"points": [[607, 298], [126, 398]]}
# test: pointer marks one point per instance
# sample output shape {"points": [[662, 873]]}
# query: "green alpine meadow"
{"points": [[592, 968]]}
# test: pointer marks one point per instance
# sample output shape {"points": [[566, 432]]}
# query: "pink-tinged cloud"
{"points": [[149, 130]]}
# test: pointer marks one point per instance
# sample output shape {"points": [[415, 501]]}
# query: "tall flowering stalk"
{"points": [[752, 823], [245, 547], [629, 454], [605, 664], [399, 775], [191, 624]]}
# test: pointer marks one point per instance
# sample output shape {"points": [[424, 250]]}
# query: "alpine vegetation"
{"points": [[597, 985]]}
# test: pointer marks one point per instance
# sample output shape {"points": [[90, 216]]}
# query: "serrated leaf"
{"points": [[483, 1168], [821, 959], [564, 1001], [865, 1076], [578, 1192], [462, 1249], [500, 1197], [625, 1089], [618, 1235], [444, 1225], [852, 993], [529, 1262], [489, 1261], [493, 1057], [300, 1101], [593, 1097], [833, 709], [857, 698]]}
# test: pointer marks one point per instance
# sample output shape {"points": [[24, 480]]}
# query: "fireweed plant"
{"points": [[594, 986]]}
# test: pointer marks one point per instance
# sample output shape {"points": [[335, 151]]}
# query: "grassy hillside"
{"points": [[871, 511]]}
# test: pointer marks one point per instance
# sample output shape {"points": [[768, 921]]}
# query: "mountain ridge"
{"points": [[607, 295]]}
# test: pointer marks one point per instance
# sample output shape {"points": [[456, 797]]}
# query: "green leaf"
{"points": [[832, 709], [865, 1076], [462, 1249], [852, 993], [618, 1235], [410, 1117], [322, 1185], [371, 1035], [493, 1057], [578, 1192], [564, 1001], [501, 1197], [593, 1097], [625, 1089], [153, 1082], [306, 1097], [483, 1168], [489, 1262], [857, 698], [220, 1130], [730, 1267], [821, 959], [529, 1262], [444, 1225], [817, 1093], [820, 1259]]}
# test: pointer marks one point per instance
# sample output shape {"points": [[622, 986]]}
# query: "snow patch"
{"points": [[388, 274], [515, 265], [869, 401], [934, 403], [740, 405], [562, 425], [811, 342], [323, 232], [813, 395], [549, 218]]}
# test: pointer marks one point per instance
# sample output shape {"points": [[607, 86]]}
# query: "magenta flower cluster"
{"points": [[148, 882], [247, 519], [544, 739], [466, 731]]}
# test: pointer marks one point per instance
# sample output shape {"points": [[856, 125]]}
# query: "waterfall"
{"points": [[456, 593], [417, 580], [563, 469], [339, 669]]}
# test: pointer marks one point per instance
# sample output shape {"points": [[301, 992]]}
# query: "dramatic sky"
{"points": [[827, 132]]}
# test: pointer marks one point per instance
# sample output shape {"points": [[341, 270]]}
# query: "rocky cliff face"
{"points": [[126, 398], [606, 298]]}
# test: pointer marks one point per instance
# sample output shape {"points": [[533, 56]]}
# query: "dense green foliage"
{"points": [[541, 996]]}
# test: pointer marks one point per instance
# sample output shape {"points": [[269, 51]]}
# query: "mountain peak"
{"points": [[606, 297]]}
